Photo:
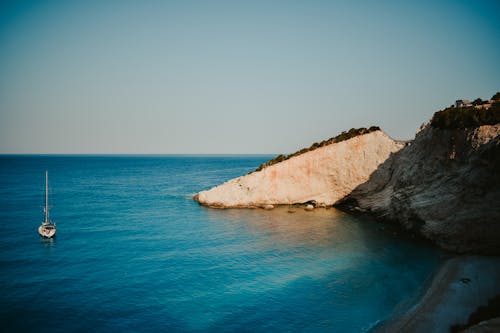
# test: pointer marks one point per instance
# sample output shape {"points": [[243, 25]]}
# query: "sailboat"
{"points": [[48, 228]]}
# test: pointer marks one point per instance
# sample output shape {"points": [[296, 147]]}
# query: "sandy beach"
{"points": [[461, 285]]}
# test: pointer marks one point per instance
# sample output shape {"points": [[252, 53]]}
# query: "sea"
{"points": [[134, 253]]}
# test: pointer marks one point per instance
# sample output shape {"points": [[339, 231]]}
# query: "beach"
{"points": [[459, 287]]}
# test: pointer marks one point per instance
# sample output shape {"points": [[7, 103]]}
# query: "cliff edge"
{"points": [[444, 186], [323, 175]]}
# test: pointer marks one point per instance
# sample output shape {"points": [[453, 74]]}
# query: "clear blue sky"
{"points": [[234, 76]]}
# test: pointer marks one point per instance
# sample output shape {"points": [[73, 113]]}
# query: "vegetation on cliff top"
{"points": [[478, 113], [346, 135]]}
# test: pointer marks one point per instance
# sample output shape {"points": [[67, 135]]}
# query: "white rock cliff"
{"points": [[324, 175]]}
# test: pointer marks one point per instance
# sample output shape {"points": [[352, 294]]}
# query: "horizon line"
{"points": [[136, 154]]}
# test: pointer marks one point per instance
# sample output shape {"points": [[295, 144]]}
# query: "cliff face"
{"points": [[325, 175], [445, 186]]}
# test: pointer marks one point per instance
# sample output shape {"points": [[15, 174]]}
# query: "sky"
{"points": [[233, 77]]}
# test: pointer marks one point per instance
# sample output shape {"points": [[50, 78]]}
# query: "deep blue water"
{"points": [[133, 252]]}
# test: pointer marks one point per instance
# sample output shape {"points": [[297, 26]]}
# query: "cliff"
{"points": [[444, 186], [324, 175]]}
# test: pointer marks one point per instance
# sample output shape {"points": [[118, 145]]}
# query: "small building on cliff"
{"points": [[462, 102]]}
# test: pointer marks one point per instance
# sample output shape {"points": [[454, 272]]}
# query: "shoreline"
{"points": [[459, 287]]}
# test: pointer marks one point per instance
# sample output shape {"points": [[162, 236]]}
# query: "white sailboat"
{"points": [[48, 228]]}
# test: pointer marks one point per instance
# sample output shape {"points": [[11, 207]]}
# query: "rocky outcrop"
{"points": [[444, 186], [324, 175]]}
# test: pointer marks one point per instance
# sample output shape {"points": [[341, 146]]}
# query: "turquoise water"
{"points": [[133, 252]]}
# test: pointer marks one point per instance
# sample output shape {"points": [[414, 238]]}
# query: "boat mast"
{"points": [[46, 196]]}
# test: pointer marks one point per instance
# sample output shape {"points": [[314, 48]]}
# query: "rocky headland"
{"points": [[321, 176], [444, 186]]}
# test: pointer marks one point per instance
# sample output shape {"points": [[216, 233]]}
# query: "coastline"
{"points": [[460, 286]]}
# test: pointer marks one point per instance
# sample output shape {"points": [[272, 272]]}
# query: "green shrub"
{"points": [[469, 116], [477, 101]]}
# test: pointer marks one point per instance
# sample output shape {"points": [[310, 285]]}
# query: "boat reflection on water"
{"points": [[48, 242]]}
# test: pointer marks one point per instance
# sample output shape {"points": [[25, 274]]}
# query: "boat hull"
{"points": [[47, 231]]}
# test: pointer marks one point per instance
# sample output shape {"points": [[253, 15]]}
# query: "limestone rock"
{"points": [[324, 175], [444, 186]]}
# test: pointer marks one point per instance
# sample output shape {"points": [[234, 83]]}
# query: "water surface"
{"points": [[134, 252]]}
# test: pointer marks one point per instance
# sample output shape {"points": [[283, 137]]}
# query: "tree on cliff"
{"points": [[477, 101], [496, 97]]}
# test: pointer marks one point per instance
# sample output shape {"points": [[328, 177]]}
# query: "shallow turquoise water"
{"points": [[134, 252]]}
